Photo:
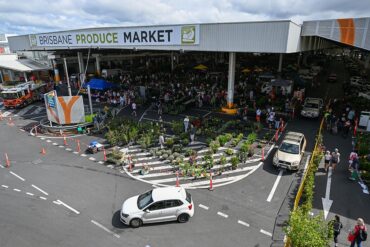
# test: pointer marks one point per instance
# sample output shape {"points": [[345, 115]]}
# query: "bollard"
{"points": [[65, 140], [129, 163], [263, 154], [277, 135], [78, 146], [105, 154], [210, 182], [355, 128], [43, 151], [7, 161], [177, 179]]}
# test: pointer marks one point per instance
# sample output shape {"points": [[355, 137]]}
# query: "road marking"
{"points": [[104, 228], [1, 166], [68, 149], [75, 152], [48, 140], [55, 144], [92, 158], [17, 190], [83, 155], [272, 192], [42, 198], [22, 130], [243, 223], [5, 186], [222, 214], [43, 192], [15, 175], [30, 194], [61, 146], [101, 162], [266, 232], [67, 206], [203, 206], [42, 138]]}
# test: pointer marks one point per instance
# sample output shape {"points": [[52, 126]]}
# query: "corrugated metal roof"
{"points": [[11, 61]]}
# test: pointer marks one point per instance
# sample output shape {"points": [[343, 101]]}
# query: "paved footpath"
{"points": [[350, 200]]}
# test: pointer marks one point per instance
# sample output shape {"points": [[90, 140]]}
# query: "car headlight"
{"points": [[303, 112], [295, 163], [275, 159], [124, 215]]}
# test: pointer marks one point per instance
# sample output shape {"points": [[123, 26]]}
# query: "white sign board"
{"points": [[129, 36]]}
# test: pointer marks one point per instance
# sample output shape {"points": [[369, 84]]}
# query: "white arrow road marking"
{"points": [[43, 192], [104, 228], [272, 192], [15, 175], [326, 202]]}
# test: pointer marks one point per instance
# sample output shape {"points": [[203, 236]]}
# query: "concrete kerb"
{"points": [[50, 137]]}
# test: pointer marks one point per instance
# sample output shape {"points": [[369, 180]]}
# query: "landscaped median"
{"points": [[305, 230]]}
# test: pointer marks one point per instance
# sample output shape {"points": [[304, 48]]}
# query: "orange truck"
{"points": [[22, 94]]}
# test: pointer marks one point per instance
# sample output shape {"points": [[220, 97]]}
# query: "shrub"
{"points": [[177, 127], [252, 137], [170, 142], [214, 145], [244, 147], [165, 156], [222, 139], [229, 151], [234, 162]]}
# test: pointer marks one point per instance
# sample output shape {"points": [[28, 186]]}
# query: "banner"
{"points": [[129, 36], [64, 109]]}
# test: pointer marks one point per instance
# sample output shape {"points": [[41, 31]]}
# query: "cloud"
{"points": [[35, 16]]}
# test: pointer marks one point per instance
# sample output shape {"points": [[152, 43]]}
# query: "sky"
{"points": [[39, 16]]}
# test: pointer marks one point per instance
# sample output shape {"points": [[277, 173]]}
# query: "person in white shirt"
{"points": [[133, 109], [186, 123]]}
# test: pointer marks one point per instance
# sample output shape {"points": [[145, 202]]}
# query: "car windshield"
{"points": [[10, 95], [144, 199], [289, 148], [311, 105]]}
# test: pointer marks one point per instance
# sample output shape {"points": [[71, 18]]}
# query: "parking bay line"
{"points": [[203, 206], [222, 214], [30, 194], [5, 186], [59, 202], [243, 223], [43, 192], [266, 233], [104, 228], [17, 176], [272, 192]]}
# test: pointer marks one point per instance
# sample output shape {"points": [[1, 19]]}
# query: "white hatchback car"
{"points": [[158, 205]]}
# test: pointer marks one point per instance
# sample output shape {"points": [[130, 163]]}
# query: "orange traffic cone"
{"points": [[177, 179], [43, 151], [105, 155], [10, 121], [210, 182], [65, 140], [7, 160]]}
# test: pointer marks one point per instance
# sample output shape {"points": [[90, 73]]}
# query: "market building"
{"points": [[74, 48]]}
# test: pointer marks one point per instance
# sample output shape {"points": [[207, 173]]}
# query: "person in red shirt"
{"points": [[357, 234]]}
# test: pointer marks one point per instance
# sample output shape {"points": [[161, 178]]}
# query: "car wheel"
{"points": [[135, 223], [182, 218]]}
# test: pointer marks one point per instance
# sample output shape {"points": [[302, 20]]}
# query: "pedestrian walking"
{"points": [[133, 106], [337, 226], [327, 159], [355, 165], [186, 123], [258, 115], [335, 158], [352, 156], [358, 234]]}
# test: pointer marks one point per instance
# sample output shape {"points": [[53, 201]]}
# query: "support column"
{"points": [[97, 63], [67, 76], [80, 62], [25, 76], [299, 59], [280, 62], [56, 71], [1, 76], [172, 60], [231, 79]]}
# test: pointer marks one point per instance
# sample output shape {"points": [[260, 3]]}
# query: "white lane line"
{"points": [[243, 223], [104, 228], [42, 198], [61, 146], [222, 214], [75, 152], [22, 130], [272, 192], [55, 144], [5, 186], [43, 192], [101, 162], [15, 175], [30, 194], [1, 166], [266, 232], [48, 140], [92, 158], [68, 149], [69, 207], [83, 155], [203, 206], [17, 190], [42, 138]]}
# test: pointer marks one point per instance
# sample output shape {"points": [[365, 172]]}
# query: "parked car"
{"points": [[158, 205], [365, 95], [332, 77], [312, 107], [290, 151]]}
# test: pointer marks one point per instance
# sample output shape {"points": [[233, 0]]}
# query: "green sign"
{"points": [[188, 34]]}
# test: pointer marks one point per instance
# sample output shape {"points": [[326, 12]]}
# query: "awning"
{"points": [[11, 61]]}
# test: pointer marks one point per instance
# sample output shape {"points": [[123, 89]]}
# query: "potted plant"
{"points": [[234, 162]]}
